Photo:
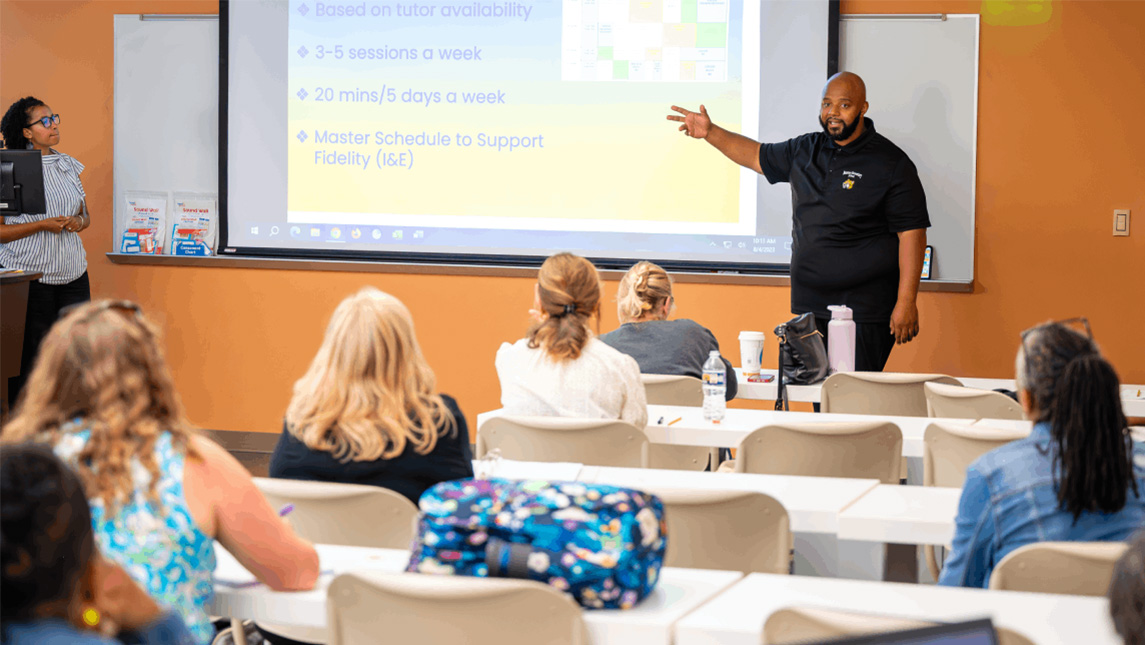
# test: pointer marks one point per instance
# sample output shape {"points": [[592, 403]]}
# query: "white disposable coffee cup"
{"points": [[751, 352]]}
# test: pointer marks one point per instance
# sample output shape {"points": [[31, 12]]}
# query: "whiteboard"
{"points": [[166, 108], [922, 87]]}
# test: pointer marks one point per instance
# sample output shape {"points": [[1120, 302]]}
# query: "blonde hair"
{"points": [[104, 364], [568, 287], [644, 289], [368, 391]]}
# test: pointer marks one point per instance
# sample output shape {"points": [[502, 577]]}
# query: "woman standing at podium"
{"points": [[47, 243]]}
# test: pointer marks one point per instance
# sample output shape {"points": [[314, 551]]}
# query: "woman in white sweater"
{"points": [[560, 368]]}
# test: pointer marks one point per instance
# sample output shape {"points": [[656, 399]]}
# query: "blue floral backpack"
{"points": [[602, 544]]}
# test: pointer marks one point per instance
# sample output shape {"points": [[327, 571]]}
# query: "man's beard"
{"points": [[845, 133]]}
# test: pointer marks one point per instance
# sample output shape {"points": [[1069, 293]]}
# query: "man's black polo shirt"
{"points": [[848, 204]]}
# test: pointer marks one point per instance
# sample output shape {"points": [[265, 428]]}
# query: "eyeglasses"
{"points": [[47, 121]]}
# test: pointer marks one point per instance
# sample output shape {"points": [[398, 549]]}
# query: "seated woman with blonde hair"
{"points": [[560, 368], [367, 411], [660, 346], [102, 396]]}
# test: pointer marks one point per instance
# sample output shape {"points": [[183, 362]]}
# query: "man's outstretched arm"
{"points": [[735, 146]]}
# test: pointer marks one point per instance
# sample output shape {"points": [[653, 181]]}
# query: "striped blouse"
{"points": [[60, 257]]}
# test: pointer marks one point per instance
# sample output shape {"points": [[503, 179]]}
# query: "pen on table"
{"points": [[285, 510], [675, 420], [660, 422]]}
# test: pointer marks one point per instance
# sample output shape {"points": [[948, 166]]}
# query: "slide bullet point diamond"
{"points": [[302, 136], [303, 9], [302, 94], [302, 51]]}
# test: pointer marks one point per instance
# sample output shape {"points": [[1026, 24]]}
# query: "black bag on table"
{"points": [[802, 356]]}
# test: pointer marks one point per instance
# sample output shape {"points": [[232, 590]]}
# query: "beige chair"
{"points": [[332, 513], [1076, 568], [598, 442], [418, 608], [672, 389], [808, 624], [728, 530], [948, 450], [350, 514], [857, 449], [956, 402], [884, 393]]}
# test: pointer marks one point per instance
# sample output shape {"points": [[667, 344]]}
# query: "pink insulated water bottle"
{"points": [[841, 340]]}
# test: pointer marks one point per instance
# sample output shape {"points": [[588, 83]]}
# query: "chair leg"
{"points": [[931, 561], [237, 631]]}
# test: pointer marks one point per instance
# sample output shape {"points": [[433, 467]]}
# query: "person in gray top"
{"points": [[660, 346]]}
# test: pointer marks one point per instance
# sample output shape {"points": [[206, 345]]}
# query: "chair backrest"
{"points": [[350, 514], [884, 393], [950, 448], [807, 624], [672, 389], [956, 402], [596, 442], [728, 530], [1076, 568], [857, 449], [422, 608]]}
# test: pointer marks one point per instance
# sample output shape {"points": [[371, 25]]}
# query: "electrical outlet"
{"points": [[1121, 223]]}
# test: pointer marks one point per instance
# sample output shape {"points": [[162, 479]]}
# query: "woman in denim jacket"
{"points": [[1079, 476]]}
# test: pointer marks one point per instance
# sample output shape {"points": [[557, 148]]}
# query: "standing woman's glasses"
{"points": [[47, 121]]}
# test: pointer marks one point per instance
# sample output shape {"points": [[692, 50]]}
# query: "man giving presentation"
{"points": [[859, 216]]}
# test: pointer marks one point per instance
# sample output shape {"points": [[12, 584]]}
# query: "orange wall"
{"points": [[1059, 147]]}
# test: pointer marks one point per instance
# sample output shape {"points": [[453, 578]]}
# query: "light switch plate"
{"points": [[1121, 223]]}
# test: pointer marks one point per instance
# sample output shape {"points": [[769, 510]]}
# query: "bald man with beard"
{"points": [[859, 216]]}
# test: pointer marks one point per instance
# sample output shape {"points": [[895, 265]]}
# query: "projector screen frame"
{"points": [[426, 261]]}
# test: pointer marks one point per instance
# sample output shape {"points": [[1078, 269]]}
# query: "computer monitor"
{"points": [[21, 182], [973, 632]]}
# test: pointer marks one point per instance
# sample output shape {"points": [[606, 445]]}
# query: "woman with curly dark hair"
{"points": [[56, 586], [1127, 592], [49, 242]]}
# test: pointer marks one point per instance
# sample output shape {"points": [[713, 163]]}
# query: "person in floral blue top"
{"points": [[160, 494]]}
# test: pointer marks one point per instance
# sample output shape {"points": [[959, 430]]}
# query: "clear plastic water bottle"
{"points": [[715, 388]]}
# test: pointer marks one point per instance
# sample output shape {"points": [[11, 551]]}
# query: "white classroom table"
{"points": [[902, 515], [737, 616], [692, 430], [1132, 396], [813, 503], [679, 592]]}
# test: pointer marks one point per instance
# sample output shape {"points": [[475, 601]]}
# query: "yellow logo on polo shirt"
{"points": [[849, 184], [851, 176]]}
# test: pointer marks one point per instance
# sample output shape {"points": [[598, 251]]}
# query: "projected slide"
{"points": [[528, 115]]}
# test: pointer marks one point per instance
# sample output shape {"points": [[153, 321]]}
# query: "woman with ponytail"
{"points": [[560, 368], [660, 346], [1079, 476]]}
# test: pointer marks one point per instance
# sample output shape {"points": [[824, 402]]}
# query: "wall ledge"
{"points": [[374, 266]]}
